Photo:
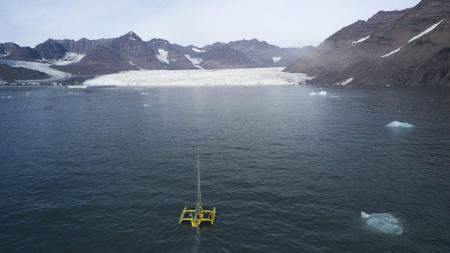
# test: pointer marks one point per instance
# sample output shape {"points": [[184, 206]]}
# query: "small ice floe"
{"points": [[76, 86], [144, 93], [383, 222], [6, 97], [398, 124], [146, 105], [320, 93]]}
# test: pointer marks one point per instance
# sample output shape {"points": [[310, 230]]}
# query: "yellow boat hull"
{"points": [[197, 219]]}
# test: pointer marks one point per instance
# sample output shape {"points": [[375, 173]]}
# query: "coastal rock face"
{"points": [[404, 48]]}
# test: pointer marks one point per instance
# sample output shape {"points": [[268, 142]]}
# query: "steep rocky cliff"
{"points": [[403, 48]]}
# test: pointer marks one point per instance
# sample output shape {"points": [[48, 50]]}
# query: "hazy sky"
{"points": [[199, 22]]}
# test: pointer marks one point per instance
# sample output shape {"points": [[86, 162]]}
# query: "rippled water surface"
{"points": [[109, 170]]}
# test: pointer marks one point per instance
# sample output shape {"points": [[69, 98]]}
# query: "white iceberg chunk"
{"points": [[383, 222], [398, 124], [391, 53], [428, 30], [320, 93]]}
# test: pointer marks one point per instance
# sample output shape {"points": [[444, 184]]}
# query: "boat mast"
{"points": [[199, 193]]}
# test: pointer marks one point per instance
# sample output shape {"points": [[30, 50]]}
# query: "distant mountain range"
{"points": [[404, 48], [86, 57], [410, 47]]}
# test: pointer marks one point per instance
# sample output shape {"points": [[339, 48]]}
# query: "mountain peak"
{"points": [[131, 36]]}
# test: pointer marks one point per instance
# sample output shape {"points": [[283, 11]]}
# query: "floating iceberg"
{"points": [[322, 93], [398, 124], [383, 222]]}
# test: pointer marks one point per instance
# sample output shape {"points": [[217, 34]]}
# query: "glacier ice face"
{"points": [[186, 78], [383, 222], [398, 124]]}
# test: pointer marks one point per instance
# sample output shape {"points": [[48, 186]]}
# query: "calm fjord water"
{"points": [[109, 170]]}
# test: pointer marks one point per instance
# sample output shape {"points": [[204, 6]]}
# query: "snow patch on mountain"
{"points": [[276, 59], [361, 40], [428, 30], [162, 56], [69, 58], [224, 77], [391, 53], [346, 81], [195, 61], [197, 50]]}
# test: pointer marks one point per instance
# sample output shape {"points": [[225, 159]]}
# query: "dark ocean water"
{"points": [[109, 170]]}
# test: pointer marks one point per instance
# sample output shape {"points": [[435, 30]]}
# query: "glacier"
{"points": [[398, 124], [222, 77], [383, 222], [55, 75]]}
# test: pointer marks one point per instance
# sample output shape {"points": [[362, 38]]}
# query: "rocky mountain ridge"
{"points": [[403, 48], [86, 57]]}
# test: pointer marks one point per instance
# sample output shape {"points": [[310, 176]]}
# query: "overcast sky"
{"points": [[198, 22]]}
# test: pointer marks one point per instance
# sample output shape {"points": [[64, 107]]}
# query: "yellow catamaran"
{"points": [[198, 215]]}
